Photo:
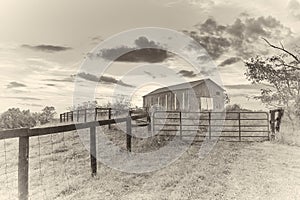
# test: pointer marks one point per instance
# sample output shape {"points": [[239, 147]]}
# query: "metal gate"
{"points": [[237, 126]]}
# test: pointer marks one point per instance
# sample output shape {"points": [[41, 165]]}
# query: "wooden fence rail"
{"points": [[69, 116], [24, 135]]}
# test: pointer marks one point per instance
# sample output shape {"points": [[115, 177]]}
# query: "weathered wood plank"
{"points": [[63, 128], [23, 167]]}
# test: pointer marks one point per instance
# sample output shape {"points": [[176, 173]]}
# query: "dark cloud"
{"points": [[143, 42], [240, 37], [68, 79], [49, 84], [46, 48], [103, 79], [144, 51], [210, 26], [186, 73], [150, 74], [230, 61], [15, 85]]}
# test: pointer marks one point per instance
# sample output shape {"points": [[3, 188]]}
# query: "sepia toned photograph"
{"points": [[150, 100]]}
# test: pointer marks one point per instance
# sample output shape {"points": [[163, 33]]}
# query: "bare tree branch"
{"points": [[282, 49]]}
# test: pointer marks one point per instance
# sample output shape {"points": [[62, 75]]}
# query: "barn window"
{"points": [[206, 103], [218, 93]]}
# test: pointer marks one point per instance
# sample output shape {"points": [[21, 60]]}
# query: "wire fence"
{"points": [[57, 158], [56, 162]]}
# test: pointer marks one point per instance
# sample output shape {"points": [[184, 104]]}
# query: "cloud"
{"points": [[31, 104], [150, 74], [49, 84], [22, 98], [294, 8], [230, 61], [68, 79], [248, 86], [103, 79], [15, 85], [186, 73], [241, 37], [144, 50], [46, 48]]}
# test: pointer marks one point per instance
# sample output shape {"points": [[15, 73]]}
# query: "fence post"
{"points": [[85, 115], [128, 133], [96, 114], [272, 123], [60, 118], [93, 152], [149, 121], [67, 116], [72, 116], [77, 116], [64, 117], [209, 125], [153, 122], [240, 132], [180, 124], [23, 167], [109, 117]]}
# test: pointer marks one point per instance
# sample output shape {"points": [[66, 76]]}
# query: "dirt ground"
{"points": [[60, 169]]}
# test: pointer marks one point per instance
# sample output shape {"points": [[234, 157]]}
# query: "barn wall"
{"points": [[209, 90], [212, 91]]}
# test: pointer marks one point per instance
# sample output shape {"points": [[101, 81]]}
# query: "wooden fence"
{"points": [[24, 135], [177, 119], [72, 116]]}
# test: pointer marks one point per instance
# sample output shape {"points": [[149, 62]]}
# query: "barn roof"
{"points": [[182, 86]]}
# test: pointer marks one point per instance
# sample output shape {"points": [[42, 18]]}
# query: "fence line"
{"points": [[25, 133], [69, 116], [211, 122]]}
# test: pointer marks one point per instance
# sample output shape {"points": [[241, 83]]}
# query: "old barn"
{"points": [[203, 94]]}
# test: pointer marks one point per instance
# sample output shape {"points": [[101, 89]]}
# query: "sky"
{"points": [[43, 45]]}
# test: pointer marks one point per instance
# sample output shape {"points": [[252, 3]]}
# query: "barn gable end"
{"points": [[208, 95]]}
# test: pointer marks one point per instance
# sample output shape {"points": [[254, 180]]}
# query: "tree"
{"points": [[47, 114], [15, 118], [282, 73], [84, 105]]}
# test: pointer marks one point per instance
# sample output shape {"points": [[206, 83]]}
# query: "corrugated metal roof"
{"points": [[181, 86]]}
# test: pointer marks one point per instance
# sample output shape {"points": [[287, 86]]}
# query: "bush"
{"points": [[15, 118], [233, 107], [289, 131]]}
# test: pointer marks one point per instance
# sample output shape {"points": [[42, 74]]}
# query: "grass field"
{"points": [[60, 169]]}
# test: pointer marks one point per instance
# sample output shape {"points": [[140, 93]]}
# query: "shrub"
{"points": [[15, 118]]}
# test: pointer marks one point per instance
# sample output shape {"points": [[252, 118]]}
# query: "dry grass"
{"points": [[232, 170]]}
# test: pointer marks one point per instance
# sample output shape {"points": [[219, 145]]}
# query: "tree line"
{"points": [[16, 118]]}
